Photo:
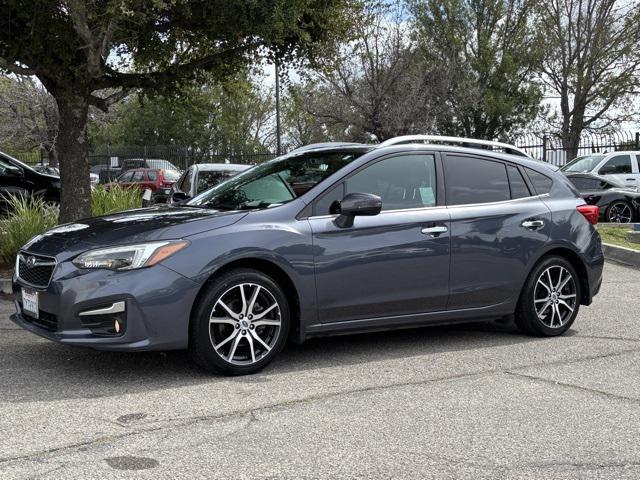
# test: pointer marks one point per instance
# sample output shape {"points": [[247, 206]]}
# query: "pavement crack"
{"points": [[603, 393]]}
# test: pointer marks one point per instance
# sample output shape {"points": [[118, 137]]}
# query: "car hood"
{"points": [[132, 226]]}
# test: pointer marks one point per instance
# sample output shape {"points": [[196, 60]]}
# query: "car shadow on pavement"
{"points": [[31, 368]]}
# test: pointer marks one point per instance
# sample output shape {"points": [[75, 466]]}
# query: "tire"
{"points": [[543, 309], [619, 212], [255, 330]]}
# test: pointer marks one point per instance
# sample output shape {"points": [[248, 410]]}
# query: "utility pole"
{"points": [[278, 134]]}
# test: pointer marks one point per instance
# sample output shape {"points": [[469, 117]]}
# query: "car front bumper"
{"points": [[157, 307]]}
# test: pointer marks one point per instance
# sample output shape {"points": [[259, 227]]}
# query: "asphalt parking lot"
{"points": [[477, 401]]}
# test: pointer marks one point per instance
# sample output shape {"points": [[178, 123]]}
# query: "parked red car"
{"points": [[157, 180]]}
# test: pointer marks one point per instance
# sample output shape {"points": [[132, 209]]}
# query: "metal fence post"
{"points": [[544, 147], [637, 140]]}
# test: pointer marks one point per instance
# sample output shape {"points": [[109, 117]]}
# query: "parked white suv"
{"points": [[622, 166]]}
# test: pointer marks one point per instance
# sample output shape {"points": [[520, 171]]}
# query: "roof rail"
{"points": [[466, 142]]}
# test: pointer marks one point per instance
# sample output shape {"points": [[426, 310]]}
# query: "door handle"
{"points": [[533, 224], [435, 230], [631, 179]]}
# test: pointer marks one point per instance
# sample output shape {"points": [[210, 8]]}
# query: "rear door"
{"points": [[497, 224], [389, 265], [622, 167]]}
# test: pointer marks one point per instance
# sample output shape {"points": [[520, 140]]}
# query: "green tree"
{"points": [[221, 118], [81, 48], [489, 52]]}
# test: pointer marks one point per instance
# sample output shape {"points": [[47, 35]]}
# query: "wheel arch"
{"points": [[576, 262], [273, 270]]}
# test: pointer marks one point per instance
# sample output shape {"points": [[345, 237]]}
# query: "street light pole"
{"points": [[278, 137]]}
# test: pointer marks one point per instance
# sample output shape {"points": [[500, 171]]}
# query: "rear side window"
{"points": [[474, 180], [518, 186], [541, 183], [138, 176]]}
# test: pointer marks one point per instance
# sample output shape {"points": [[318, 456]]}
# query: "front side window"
{"points": [[272, 183], [406, 181], [125, 177], [138, 176], [620, 164], [152, 175], [472, 180]]}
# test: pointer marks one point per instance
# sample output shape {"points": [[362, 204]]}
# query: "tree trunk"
{"points": [[73, 149], [53, 156]]}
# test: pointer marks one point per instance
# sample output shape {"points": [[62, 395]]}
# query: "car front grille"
{"points": [[35, 270], [45, 320]]}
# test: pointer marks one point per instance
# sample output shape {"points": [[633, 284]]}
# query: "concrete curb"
{"points": [[623, 255], [5, 286]]}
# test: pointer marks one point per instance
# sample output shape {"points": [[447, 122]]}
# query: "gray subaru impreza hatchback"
{"points": [[329, 239]]}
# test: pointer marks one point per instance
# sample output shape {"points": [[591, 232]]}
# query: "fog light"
{"points": [[116, 326]]}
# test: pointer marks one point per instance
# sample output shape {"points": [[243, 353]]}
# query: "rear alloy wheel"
{"points": [[240, 324], [619, 212], [550, 300]]}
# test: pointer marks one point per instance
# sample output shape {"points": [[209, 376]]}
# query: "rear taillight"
{"points": [[590, 212]]}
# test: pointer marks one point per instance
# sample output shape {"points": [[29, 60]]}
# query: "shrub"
{"points": [[115, 199], [28, 217]]}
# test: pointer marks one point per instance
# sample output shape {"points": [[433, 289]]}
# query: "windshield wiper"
{"points": [[253, 206]]}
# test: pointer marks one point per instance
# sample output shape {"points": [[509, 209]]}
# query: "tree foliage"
{"points": [[214, 118], [80, 49], [28, 116], [489, 53]]}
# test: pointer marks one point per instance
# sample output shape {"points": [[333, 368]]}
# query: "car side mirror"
{"points": [[177, 197], [355, 204], [11, 171], [607, 170]]}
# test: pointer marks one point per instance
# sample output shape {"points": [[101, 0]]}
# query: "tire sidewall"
{"points": [[199, 342], [527, 308]]}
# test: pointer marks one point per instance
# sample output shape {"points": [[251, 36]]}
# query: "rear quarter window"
{"points": [[541, 183]]}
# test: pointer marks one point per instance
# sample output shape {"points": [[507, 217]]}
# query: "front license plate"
{"points": [[30, 302]]}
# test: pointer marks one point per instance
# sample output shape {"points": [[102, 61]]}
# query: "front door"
{"points": [[622, 167], [392, 264]]}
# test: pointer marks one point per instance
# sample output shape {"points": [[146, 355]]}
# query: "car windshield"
{"points": [[583, 164], [274, 182]]}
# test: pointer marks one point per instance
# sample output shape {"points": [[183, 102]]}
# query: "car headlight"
{"points": [[130, 257]]}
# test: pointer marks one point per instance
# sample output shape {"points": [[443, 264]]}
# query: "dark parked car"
{"points": [[617, 203], [389, 236], [19, 178], [202, 176]]}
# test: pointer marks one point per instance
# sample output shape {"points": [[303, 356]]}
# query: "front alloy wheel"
{"points": [[240, 323], [244, 324]]}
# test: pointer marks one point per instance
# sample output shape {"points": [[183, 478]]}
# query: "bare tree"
{"points": [[28, 116], [377, 88], [592, 62]]}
